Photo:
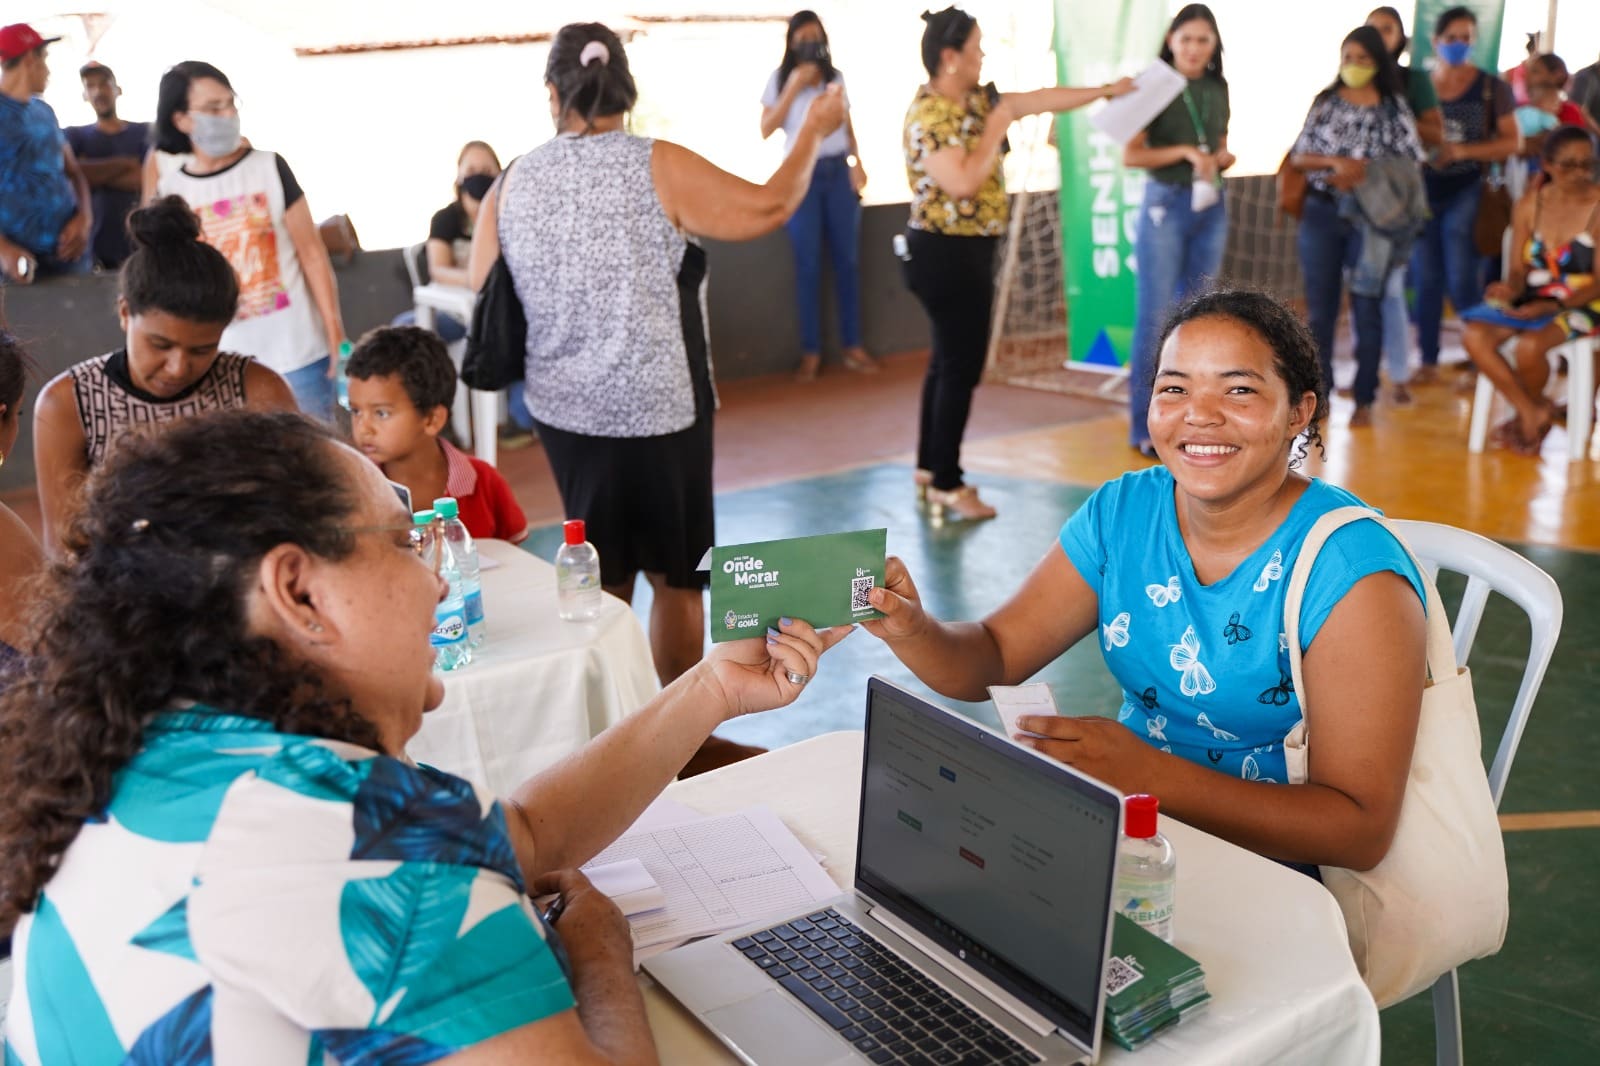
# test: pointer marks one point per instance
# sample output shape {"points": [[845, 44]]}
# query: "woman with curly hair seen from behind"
{"points": [[1179, 572], [211, 834]]}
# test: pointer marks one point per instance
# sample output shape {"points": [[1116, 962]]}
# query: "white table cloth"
{"points": [[539, 687], [1272, 942], [484, 406]]}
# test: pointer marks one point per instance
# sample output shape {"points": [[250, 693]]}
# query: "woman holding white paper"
{"points": [[1183, 222], [955, 132], [1180, 573]]}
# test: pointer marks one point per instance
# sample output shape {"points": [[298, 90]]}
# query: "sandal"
{"points": [[858, 360], [810, 366], [963, 501]]}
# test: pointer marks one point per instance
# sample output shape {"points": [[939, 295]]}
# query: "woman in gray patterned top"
{"points": [[178, 295], [598, 227]]}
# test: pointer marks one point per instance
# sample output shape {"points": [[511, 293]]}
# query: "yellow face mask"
{"points": [[1357, 77]]}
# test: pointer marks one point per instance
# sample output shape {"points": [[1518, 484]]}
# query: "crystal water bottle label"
{"points": [[450, 627]]}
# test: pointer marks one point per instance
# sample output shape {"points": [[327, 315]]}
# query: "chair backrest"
{"points": [[416, 256], [1490, 567]]}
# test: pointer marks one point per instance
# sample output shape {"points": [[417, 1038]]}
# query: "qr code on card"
{"points": [[859, 587], [1120, 975]]}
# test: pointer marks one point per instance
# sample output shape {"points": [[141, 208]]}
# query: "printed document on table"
{"points": [[1155, 87], [719, 873]]}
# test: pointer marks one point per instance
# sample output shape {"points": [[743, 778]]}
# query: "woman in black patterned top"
{"points": [[1361, 117], [178, 295]]}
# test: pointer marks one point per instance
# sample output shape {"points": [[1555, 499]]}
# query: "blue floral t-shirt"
{"points": [[1204, 669], [255, 895]]}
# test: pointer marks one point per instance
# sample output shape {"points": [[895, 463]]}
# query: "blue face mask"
{"points": [[1455, 53]]}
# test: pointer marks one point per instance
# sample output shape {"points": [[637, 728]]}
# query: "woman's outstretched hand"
{"points": [[755, 674]]}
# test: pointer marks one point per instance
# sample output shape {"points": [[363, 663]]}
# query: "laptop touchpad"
{"points": [[772, 1027]]}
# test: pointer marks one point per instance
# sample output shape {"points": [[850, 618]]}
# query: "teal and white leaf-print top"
{"points": [[255, 896], [1204, 669]]}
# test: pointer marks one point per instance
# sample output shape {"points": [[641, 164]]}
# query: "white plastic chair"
{"points": [[1580, 399], [1488, 567]]}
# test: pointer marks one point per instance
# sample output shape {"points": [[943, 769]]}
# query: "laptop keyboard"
{"points": [[886, 1009]]}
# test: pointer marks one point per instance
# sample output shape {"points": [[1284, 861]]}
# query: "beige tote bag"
{"points": [[1439, 897]]}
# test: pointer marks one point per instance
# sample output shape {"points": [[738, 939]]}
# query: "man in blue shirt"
{"points": [[110, 151], [45, 211]]}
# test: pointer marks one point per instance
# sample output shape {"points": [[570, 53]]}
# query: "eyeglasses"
{"points": [[424, 539], [1573, 165]]}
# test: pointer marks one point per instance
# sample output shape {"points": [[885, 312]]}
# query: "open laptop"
{"points": [[979, 927]]}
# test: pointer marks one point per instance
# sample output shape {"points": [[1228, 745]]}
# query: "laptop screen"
{"points": [[995, 854]]}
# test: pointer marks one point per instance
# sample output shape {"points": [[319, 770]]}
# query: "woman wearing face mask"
{"points": [[1183, 222], [178, 296], [254, 212], [1479, 129], [955, 129], [831, 212], [450, 233], [1424, 104], [1359, 119]]}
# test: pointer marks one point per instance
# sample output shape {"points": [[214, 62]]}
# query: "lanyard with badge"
{"points": [[1204, 193]]}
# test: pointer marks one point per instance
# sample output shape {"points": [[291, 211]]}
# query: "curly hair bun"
{"points": [[168, 221]]}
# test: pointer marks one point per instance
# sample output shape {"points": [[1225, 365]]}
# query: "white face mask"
{"points": [[214, 135]]}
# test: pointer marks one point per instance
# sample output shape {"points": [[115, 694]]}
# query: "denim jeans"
{"points": [[1396, 329], [831, 214], [1179, 252], [1330, 245], [313, 390], [1446, 262]]}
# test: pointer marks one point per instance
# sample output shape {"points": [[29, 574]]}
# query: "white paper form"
{"points": [[1014, 701], [1155, 87], [721, 872]]}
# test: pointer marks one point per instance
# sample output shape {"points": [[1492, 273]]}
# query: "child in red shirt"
{"points": [[402, 384]]}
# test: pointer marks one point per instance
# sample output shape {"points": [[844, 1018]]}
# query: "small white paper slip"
{"points": [[629, 885], [1155, 87], [1204, 194], [1014, 701]]}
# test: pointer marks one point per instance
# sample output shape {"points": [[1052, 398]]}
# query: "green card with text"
{"points": [[823, 580]]}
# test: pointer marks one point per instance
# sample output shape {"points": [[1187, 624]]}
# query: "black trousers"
{"points": [[953, 278]]}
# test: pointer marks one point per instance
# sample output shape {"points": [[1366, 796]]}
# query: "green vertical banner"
{"points": [[1485, 51], [1096, 43]]}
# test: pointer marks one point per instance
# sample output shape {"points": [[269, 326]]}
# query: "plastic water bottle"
{"points": [[466, 553], [1147, 869], [341, 379], [577, 575], [451, 648]]}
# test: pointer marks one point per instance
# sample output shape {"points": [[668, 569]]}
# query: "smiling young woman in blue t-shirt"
{"points": [[1180, 572]]}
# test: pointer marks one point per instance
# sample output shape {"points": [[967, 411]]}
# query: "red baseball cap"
{"points": [[18, 39]]}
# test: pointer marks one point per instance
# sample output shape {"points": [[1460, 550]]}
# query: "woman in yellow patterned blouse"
{"points": [[954, 138]]}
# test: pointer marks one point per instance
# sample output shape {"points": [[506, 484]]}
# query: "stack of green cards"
{"points": [[823, 580], [1150, 985]]}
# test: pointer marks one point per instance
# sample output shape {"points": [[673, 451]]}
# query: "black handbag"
{"points": [[497, 344]]}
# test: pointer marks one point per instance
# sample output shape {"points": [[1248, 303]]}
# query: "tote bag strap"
{"points": [[1441, 647]]}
